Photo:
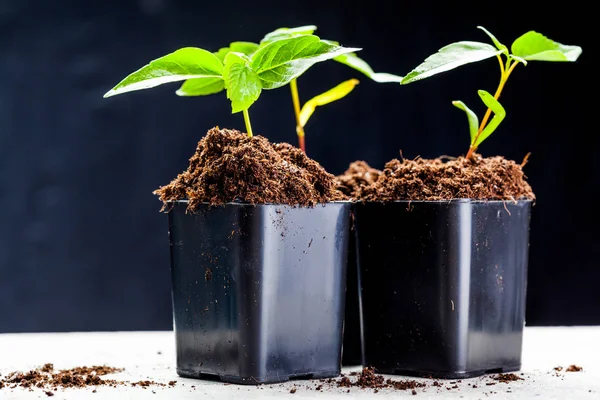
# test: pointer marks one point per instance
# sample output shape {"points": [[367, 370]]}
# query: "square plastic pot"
{"points": [[443, 286], [352, 344], [258, 291]]}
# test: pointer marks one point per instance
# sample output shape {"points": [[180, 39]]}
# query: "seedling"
{"points": [[193, 88], [532, 46], [243, 76], [350, 59]]}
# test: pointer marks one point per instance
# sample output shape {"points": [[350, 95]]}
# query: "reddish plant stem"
{"points": [[503, 78]]}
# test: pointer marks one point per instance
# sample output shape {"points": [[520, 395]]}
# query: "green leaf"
{"points": [[246, 48], [353, 61], [242, 83], [223, 51], [286, 33], [535, 46], [517, 58], [201, 87], [183, 64], [473, 120], [499, 115], [449, 57], [280, 61], [327, 97], [497, 43]]}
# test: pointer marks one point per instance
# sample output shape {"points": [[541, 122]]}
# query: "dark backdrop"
{"points": [[82, 243]]}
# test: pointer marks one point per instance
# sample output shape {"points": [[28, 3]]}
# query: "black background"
{"points": [[82, 243]]}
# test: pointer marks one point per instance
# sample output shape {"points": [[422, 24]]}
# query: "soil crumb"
{"points": [[368, 379], [574, 368], [491, 178], [358, 175], [47, 379], [230, 166], [505, 378]]}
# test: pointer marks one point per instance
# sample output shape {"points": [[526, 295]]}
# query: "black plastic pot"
{"points": [[352, 344], [443, 286], [258, 291]]}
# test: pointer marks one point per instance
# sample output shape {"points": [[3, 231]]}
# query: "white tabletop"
{"points": [[151, 356]]}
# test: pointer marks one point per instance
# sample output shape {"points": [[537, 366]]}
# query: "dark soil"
{"points": [[358, 176], [229, 166], [573, 368], [493, 178], [505, 378], [49, 380], [368, 379]]}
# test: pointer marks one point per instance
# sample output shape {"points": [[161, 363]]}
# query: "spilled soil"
{"points": [[230, 166], [49, 380], [358, 176], [368, 379], [490, 178], [505, 378]]}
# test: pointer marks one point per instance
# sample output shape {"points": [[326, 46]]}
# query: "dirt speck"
{"points": [[208, 275], [506, 378], [574, 368]]}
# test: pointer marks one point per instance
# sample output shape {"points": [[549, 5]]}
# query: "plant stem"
{"points": [[296, 101], [505, 73], [247, 121]]}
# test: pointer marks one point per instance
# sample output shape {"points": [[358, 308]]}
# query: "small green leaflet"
{"points": [[327, 97], [497, 109], [183, 64], [247, 48], [353, 61], [243, 84], [280, 61], [222, 53], [473, 120], [207, 86], [496, 42], [201, 87], [449, 57], [286, 33], [499, 114], [535, 46], [519, 59]]}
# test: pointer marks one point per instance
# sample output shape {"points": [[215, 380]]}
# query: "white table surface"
{"points": [[151, 355]]}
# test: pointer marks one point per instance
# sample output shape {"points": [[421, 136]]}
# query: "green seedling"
{"points": [[242, 70], [194, 87], [336, 93], [532, 46]]}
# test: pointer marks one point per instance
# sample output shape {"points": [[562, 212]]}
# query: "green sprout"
{"points": [[336, 93], [193, 88], [242, 70], [532, 46]]}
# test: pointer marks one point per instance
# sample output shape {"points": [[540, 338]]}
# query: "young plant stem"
{"points": [[296, 101], [504, 74], [247, 121]]}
